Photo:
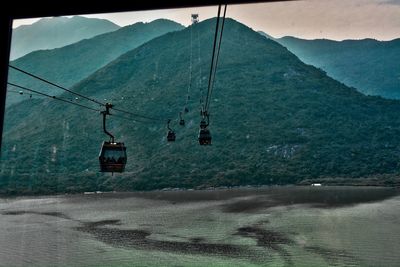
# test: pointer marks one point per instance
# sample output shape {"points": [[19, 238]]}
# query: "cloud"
{"points": [[389, 2]]}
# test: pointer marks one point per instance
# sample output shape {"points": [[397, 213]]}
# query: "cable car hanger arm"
{"points": [[105, 113]]}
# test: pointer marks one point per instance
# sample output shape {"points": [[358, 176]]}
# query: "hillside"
{"points": [[274, 120], [70, 64], [266, 35], [49, 33], [369, 65]]}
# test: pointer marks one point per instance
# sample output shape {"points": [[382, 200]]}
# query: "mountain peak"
{"points": [[162, 20], [60, 65], [368, 64], [266, 35], [48, 33]]}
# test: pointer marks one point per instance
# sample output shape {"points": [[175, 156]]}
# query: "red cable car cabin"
{"points": [[112, 157]]}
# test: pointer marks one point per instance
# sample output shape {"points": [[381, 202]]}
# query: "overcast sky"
{"points": [[308, 19]]}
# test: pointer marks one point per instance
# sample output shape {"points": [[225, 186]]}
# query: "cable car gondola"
{"points": [[171, 134], [112, 156], [181, 121], [204, 133]]}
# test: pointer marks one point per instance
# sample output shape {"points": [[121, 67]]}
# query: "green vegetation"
{"points": [[274, 120], [369, 65], [70, 64]]}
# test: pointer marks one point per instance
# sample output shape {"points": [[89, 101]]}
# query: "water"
{"points": [[278, 226]]}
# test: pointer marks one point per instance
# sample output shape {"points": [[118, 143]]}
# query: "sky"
{"points": [[307, 19]]}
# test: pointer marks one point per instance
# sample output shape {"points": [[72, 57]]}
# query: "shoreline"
{"points": [[320, 186]]}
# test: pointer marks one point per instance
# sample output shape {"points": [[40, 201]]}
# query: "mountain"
{"points": [[274, 120], [49, 33], [266, 35], [68, 65], [369, 65]]}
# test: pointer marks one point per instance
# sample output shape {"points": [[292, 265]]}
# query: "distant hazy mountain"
{"points": [[70, 64], [371, 66], [266, 35], [274, 120], [49, 33]]}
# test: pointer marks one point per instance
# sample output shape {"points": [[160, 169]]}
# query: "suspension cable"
{"points": [[52, 96], [68, 101], [200, 70], [216, 61], [128, 119], [212, 59], [138, 115], [21, 92], [190, 66], [80, 95], [56, 85]]}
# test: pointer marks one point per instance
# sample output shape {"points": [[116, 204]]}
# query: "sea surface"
{"points": [[271, 226]]}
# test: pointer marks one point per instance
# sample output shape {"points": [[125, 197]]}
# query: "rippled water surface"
{"points": [[278, 226]]}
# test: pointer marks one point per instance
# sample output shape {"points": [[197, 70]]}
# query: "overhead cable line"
{"points": [[216, 61], [52, 96], [82, 96], [126, 118], [21, 92], [67, 101], [138, 115], [212, 59], [56, 85], [190, 70], [204, 136], [200, 72]]}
